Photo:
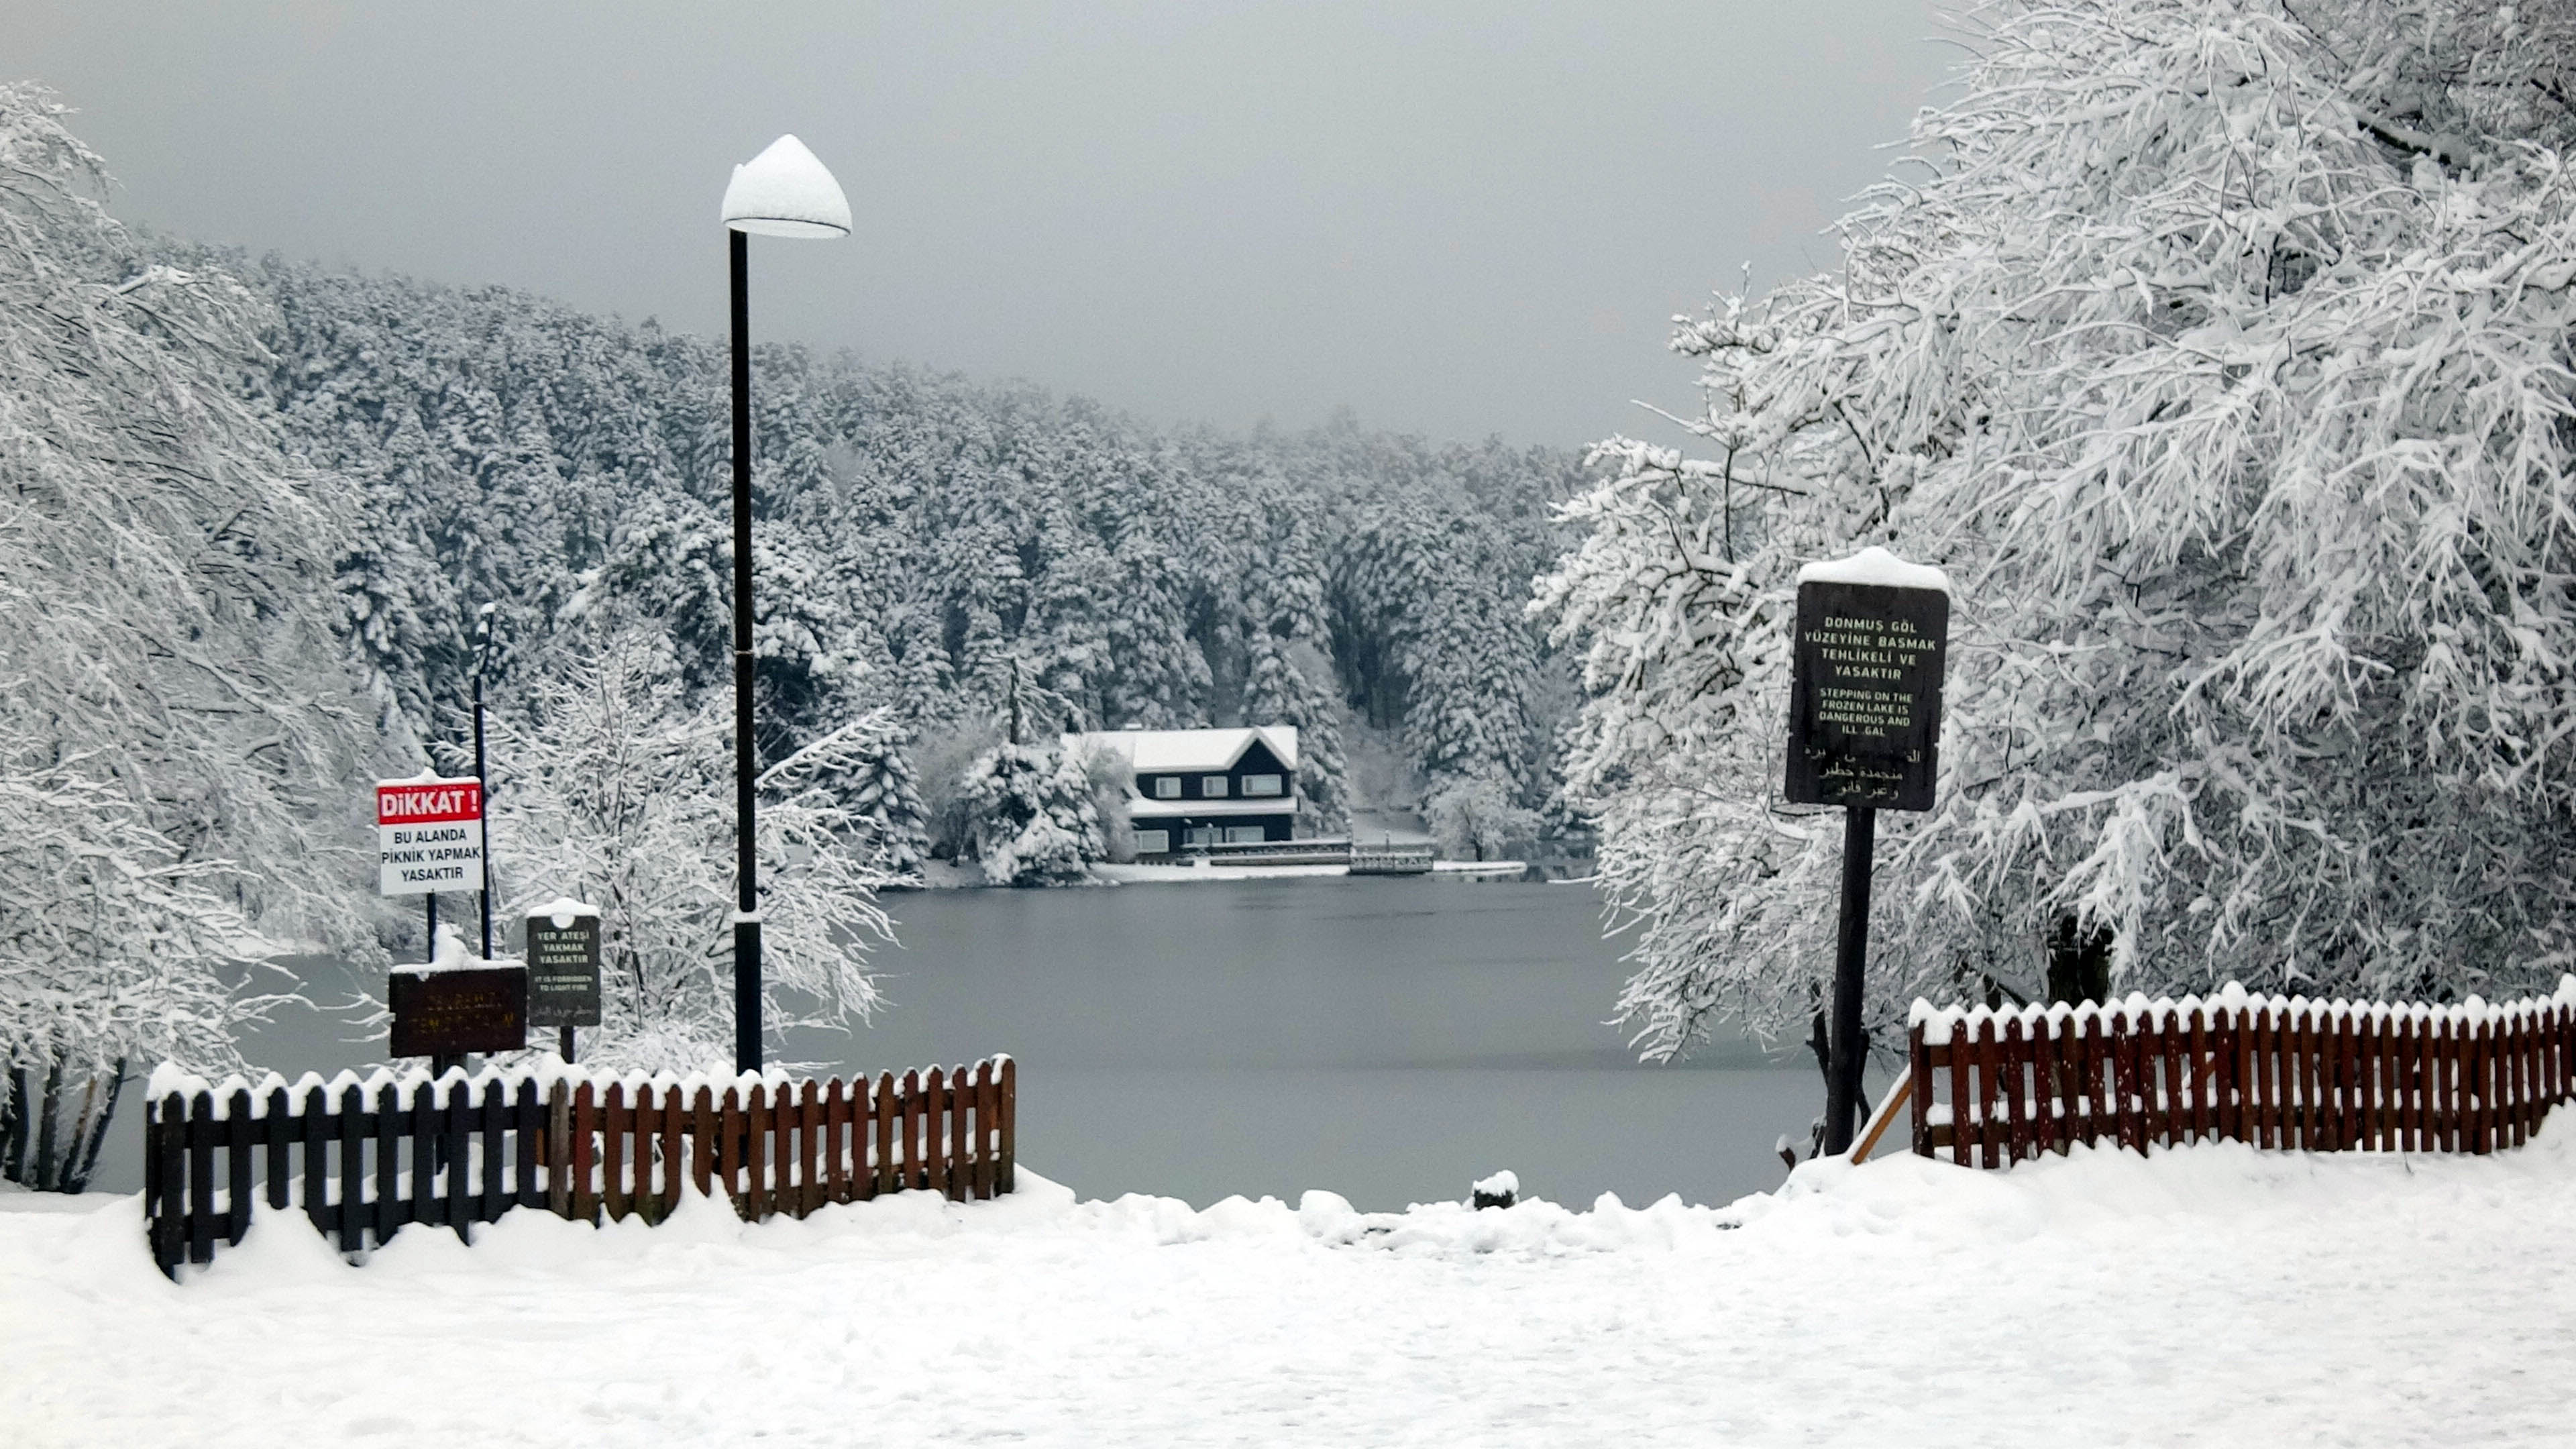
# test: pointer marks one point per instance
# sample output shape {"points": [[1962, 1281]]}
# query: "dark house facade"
{"points": [[1188, 790]]}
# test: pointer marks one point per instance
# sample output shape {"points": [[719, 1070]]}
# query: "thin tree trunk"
{"points": [[64, 1180], [13, 1128], [98, 1133], [45, 1125]]}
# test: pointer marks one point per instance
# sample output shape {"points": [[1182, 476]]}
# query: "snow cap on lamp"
{"points": [[1875, 565], [784, 191]]}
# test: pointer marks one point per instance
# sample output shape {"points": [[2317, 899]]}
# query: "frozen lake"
{"points": [[1388, 1039]]}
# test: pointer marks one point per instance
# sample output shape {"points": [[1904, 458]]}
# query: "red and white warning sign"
{"points": [[429, 836]]}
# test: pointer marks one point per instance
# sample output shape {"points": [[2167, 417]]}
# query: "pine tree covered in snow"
{"points": [[2220, 351], [1030, 817], [175, 718]]}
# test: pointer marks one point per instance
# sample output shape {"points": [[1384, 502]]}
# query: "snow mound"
{"points": [[1875, 566], [2096, 1298]]}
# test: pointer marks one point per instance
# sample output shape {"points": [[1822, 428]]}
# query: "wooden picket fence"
{"points": [[361, 1159], [1991, 1088]]}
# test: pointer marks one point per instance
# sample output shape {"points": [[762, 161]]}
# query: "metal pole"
{"points": [[482, 654], [746, 927], [1851, 957], [438, 1065]]}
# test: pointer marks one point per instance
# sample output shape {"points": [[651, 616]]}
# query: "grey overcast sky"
{"points": [[1460, 218]]}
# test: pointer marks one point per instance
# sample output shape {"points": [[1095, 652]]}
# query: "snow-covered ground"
{"points": [[2210, 1295]]}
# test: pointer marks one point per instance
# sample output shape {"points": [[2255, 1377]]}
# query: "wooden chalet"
{"points": [[1191, 789]]}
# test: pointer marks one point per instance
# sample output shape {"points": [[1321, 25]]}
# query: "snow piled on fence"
{"points": [[1938, 1022], [544, 1069], [2207, 1294]]}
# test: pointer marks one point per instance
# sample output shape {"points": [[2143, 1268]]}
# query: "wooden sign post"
{"points": [[563, 967], [1864, 731], [444, 1012]]}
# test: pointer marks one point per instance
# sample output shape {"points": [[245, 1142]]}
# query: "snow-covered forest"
{"points": [[2219, 350], [919, 539], [258, 509]]}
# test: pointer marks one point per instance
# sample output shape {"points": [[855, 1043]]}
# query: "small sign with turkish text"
{"points": [[429, 836], [563, 965], [449, 1013], [1865, 694]]}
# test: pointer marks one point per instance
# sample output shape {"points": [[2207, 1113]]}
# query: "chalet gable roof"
{"points": [[1184, 751]]}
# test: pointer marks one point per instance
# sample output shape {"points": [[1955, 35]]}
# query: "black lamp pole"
{"points": [[483, 658], [746, 921]]}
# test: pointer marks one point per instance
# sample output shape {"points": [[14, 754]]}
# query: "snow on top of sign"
{"points": [[427, 777], [450, 955], [561, 910], [1939, 1022], [1875, 565]]}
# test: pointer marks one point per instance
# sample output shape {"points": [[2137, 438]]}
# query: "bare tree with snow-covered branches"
{"points": [[176, 722], [2220, 350]]}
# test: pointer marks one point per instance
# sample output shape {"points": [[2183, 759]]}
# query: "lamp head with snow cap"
{"points": [[785, 191]]}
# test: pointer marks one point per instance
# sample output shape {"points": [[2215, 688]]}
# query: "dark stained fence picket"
{"points": [[1991, 1088], [362, 1161]]}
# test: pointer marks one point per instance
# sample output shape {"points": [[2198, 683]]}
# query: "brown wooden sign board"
{"points": [[1865, 697], [448, 1013], [563, 971]]}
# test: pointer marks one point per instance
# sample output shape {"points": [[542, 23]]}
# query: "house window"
{"points": [[1262, 785], [1153, 842], [1167, 787], [1212, 786], [1202, 835], [1243, 835]]}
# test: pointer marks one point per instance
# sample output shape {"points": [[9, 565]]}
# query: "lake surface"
{"points": [[1389, 1039]]}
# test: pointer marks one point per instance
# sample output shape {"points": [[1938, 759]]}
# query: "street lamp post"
{"points": [[783, 191]]}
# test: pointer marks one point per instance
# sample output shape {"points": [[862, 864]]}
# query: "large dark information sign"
{"points": [[1865, 700], [450, 1013], [563, 969]]}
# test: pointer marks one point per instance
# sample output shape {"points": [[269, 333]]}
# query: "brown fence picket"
{"points": [[616, 1126], [961, 1172], [941, 1089], [2201, 1076], [585, 1154], [988, 1097], [2007, 1060], [2403, 1059], [1963, 1109], [1010, 1125], [2489, 1119], [729, 1145], [646, 1197], [766, 1132], [911, 1173], [2369, 1029], [684, 1145], [2092, 1036]]}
